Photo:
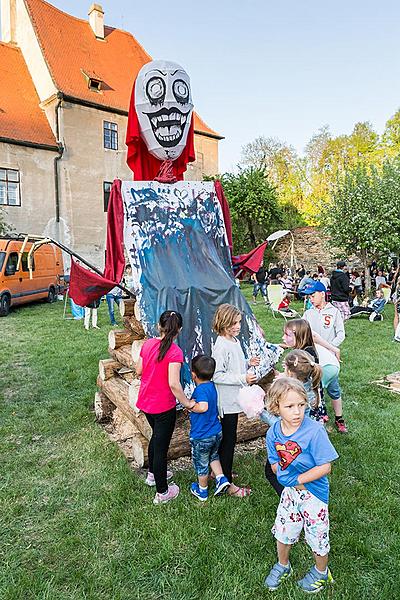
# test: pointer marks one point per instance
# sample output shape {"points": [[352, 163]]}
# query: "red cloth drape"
{"points": [[219, 190], [86, 286], [144, 165], [250, 261]]}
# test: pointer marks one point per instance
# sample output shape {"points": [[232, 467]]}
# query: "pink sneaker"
{"points": [[151, 482], [173, 491]]}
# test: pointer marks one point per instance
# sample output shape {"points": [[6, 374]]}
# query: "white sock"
{"points": [[203, 489], [322, 572], [284, 566]]}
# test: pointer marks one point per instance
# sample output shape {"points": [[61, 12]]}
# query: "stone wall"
{"points": [[312, 249]]}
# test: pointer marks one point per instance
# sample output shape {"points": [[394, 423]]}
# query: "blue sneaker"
{"points": [[313, 582], [202, 495], [277, 574], [221, 485]]}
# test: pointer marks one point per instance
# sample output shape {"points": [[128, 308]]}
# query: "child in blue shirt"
{"points": [[300, 454], [205, 429]]}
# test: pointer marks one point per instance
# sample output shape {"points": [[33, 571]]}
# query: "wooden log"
{"points": [[136, 312], [136, 348], [103, 407], [116, 389], [132, 324], [250, 429], [107, 368], [133, 394], [126, 306], [140, 450], [119, 337], [123, 355]]}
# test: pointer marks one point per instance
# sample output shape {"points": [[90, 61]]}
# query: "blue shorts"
{"points": [[204, 452]]}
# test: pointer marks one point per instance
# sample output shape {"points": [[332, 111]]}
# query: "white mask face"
{"points": [[163, 102]]}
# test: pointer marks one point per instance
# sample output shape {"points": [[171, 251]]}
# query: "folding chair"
{"points": [[276, 294]]}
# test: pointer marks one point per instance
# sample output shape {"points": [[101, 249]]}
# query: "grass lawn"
{"points": [[76, 523]]}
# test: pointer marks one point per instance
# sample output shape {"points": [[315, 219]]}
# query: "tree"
{"points": [[363, 217], [4, 228], [254, 207], [281, 164]]}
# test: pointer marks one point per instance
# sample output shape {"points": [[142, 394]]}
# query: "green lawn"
{"points": [[76, 523]]}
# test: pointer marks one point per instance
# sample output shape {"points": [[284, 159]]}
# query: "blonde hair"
{"points": [[225, 316], [279, 390], [302, 366]]}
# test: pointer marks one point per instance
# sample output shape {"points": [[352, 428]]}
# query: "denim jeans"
{"points": [[111, 298], [204, 452]]}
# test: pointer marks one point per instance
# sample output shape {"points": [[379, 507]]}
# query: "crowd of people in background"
{"points": [[345, 288]]}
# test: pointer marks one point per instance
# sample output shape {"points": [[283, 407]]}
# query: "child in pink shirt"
{"points": [[159, 366]]}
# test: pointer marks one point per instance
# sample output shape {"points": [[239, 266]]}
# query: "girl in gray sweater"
{"points": [[231, 374]]}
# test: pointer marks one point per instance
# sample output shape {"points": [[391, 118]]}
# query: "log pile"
{"points": [[115, 402]]}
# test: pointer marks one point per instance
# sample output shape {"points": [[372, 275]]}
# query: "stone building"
{"points": [[65, 90]]}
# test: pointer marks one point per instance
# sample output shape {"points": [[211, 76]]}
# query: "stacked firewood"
{"points": [[115, 402]]}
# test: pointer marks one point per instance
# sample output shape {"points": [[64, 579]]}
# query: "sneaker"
{"points": [[277, 574], [221, 486], [151, 482], [202, 495], [173, 491], [314, 582], [341, 426]]}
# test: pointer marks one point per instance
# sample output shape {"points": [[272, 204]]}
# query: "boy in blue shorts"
{"points": [[205, 429], [300, 454]]}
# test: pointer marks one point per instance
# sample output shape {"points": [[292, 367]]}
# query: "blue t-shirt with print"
{"points": [[206, 424], [304, 449]]}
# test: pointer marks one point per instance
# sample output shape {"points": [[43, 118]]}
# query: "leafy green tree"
{"points": [[254, 207], [363, 216], [4, 227]]}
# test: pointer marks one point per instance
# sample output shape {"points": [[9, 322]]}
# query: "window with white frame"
{"points": [[9, 187], [110, 134]]}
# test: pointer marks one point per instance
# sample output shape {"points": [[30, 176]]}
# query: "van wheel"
{"points": [[5, 302], [52, 295]]}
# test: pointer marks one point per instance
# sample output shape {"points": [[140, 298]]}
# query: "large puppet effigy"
{"points": [[176, 233]]}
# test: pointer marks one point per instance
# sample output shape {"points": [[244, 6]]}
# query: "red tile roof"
{"points": [[21, 119], [71, 49]]}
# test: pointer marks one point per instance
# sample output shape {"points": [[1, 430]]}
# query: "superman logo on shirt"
{"points": [[287, 453]]}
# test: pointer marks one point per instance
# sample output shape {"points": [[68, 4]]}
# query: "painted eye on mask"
{"points": [[181, 91], [155, 90]]}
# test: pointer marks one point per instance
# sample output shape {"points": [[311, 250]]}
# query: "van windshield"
{"points": [[2, 257]]}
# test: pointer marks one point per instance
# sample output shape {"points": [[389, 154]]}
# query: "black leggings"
{"points": [[271, 477], [163, 425], [227, 448]]}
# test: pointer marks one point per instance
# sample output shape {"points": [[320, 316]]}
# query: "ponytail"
{"points": [[303, 367], [170, 323]]}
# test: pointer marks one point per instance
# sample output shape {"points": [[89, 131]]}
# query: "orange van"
{"points": [[16, 285]]}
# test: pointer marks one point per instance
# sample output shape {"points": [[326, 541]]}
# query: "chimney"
{"points": [[8, 21], [96, 20]]}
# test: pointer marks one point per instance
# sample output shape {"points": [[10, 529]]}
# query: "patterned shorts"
{"points": [[344, 309], [300, 509]]}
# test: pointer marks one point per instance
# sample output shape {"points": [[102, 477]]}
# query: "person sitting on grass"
{"points": [[375, 307], [205, 429], [300, 454]]}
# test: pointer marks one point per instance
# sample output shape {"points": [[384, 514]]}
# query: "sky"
{"points": [[277, 69]]}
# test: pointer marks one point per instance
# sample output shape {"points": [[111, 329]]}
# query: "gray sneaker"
{"points": [[277, 574], [314, 582]]}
